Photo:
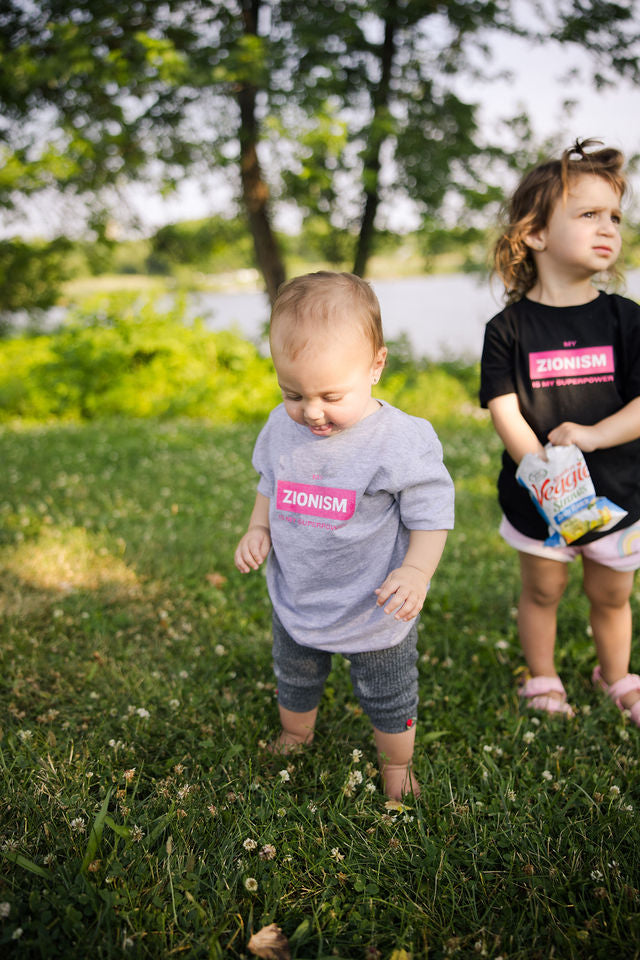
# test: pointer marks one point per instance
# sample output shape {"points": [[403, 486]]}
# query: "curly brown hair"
{"points": [[533, 202]]}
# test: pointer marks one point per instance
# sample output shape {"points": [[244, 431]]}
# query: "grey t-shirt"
{"points": [[341, 508]]}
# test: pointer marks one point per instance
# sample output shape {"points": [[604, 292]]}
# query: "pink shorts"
{"points": [[619, 550]]}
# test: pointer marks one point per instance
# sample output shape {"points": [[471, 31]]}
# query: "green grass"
{"points": [[136, 690]]}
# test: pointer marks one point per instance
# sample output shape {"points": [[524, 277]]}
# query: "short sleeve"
{"points": [[417, 477], [629, 319], [262, 462], [497, 364]]}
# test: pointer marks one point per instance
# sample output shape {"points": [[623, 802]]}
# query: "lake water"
{"points": [[443, 316]]}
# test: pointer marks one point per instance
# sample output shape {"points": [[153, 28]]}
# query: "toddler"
{"points": [[561, 364], [353, 508]]}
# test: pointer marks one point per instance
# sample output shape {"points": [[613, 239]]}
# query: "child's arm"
{"points": [[512, 428], [409, 583], [620, 427], [256, 543]]}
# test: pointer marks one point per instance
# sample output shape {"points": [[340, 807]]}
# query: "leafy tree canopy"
{"points": [[299, 103]]}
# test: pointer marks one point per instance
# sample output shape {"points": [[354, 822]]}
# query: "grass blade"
{"points": [[96, 834]]}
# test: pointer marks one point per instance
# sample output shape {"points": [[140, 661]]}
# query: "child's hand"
{"points": [[407, 586], [252, 549], [584, 437]]}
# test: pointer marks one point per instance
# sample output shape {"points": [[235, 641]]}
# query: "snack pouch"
{"points": [[563, 492]]}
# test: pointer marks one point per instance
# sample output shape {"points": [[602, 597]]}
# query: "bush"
{"points": [[124, 356]]}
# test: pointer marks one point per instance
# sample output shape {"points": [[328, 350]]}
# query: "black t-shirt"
{"points": [[567, 363]]}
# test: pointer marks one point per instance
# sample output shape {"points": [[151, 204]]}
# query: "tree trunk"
{"points": [[377, 135], [255, 192]]}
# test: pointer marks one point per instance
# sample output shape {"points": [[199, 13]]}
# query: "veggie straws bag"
{"points": [[562, 490]]}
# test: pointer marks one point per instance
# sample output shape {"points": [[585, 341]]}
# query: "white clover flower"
{"points": [[502, 645], [25, 735], [337, 856], [356, 755], [281, 812], [535, 721], [251, 884], [78, 825], [488, 748], [312, 807], [249, 844], [623, 734], [596, 875], [547, 775], [136, 833], [174, 704], [219, 650], [142, 712], [267, 852], [284, 775], [183, 674], [370, 787], [528, 736], [511, 795], [5, 910], [354, 778], [17, 933], [614, 790]]}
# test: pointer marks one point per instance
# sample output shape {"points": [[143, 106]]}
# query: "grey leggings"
{"points": [[384, 681]]}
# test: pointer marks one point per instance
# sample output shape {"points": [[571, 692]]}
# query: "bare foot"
{"points": [[399, 782], [287, 742]]}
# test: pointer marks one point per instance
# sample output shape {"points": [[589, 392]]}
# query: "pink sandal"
{"points": [[537, 690], [618, 689]]}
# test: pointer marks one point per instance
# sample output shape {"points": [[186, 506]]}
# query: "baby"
{"points": [[353, 508]]}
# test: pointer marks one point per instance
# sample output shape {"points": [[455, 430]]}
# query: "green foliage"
{"points": [[210, 245], [122, 355], [31, 275]]}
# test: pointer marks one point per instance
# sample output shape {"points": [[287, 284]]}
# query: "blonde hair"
{"points": [[533, 202], [316, 302]]}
